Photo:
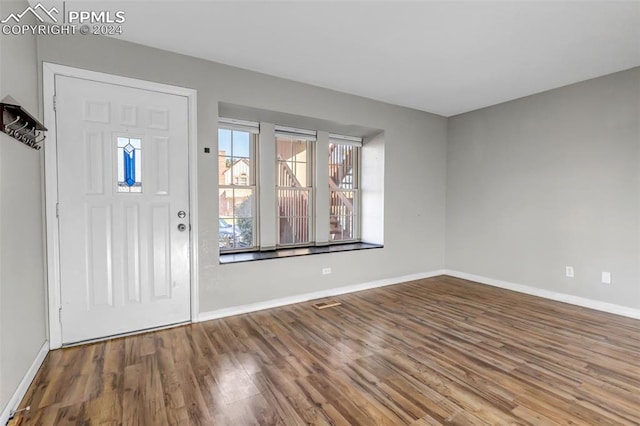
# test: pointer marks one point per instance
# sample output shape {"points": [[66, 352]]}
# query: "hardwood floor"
{"points": [[439, 350]]}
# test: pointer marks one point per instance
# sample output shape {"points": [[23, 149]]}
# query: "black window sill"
{"points": [[293, 252]]}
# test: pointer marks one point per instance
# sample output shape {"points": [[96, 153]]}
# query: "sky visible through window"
{"points": [[240, 143]]}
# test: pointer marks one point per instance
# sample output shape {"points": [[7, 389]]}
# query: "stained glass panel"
{"points": [[129, 159]]}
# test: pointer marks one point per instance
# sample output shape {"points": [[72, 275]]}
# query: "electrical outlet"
{"points": [[606, 278], [326, 271], [568, 271]]}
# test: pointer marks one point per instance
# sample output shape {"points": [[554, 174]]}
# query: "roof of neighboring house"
{"points": [[244, 160]]}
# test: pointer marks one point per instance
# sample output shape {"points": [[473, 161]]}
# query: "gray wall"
{"points": [[414, 169], [22, 285], [547, 181]]}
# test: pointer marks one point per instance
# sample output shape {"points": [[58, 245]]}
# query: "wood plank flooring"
{"points": [[434, 351]]}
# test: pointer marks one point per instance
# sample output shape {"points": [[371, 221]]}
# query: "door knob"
{"points": [[182, 227]]}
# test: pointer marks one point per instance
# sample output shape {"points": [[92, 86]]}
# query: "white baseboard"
{"points": [[548, 294], [274, 303], [24, 384]]}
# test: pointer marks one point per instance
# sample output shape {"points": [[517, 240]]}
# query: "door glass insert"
{"points": [[129, 164]]}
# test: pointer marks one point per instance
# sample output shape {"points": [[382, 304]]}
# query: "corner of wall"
{"points": [[373, 188], [23, 342]]}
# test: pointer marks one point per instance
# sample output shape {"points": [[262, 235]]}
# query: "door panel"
{"points": [[131, 254], [122, 179], [161, 262], [100, 262]]}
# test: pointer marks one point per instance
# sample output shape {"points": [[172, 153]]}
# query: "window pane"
{"points": [[244, 226], [243, 202], [341, 219], [241, 144], [236, 218], [294, 219], [299, 150], [235, 165], [224, 168], [342, 161], [224, 142], [283, 148], [293, 162], [129, 159], [237, 171]]}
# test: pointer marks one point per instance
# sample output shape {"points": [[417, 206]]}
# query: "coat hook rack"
{"points": [[16, 122]]}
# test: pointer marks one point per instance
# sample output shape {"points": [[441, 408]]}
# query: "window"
{"points": [[309, 194], [344, 188], [237, 188], [129, 156], [294, 188]]}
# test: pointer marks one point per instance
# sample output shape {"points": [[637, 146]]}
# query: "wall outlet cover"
{"points": [[568, 272]]}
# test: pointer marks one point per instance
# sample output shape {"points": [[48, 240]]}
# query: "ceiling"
{"points": [[442, 57]]}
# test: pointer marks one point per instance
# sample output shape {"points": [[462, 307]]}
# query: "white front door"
{"points": [[123, 194]]}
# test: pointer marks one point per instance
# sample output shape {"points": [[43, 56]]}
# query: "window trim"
{"points": [[239, 125], [345, 140]]}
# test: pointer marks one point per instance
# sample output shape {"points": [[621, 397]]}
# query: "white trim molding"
{"points": [[299, 298], [22, 388], [552, 295], [49, 72]]}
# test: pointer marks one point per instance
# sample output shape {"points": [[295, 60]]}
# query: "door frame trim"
{"points": [[49, 71]]}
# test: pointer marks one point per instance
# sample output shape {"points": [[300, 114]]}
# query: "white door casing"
{"points": [[123, 264]]}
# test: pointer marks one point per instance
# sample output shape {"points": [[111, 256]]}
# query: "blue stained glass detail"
{"points": [[129, 153], [129, 164]]}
